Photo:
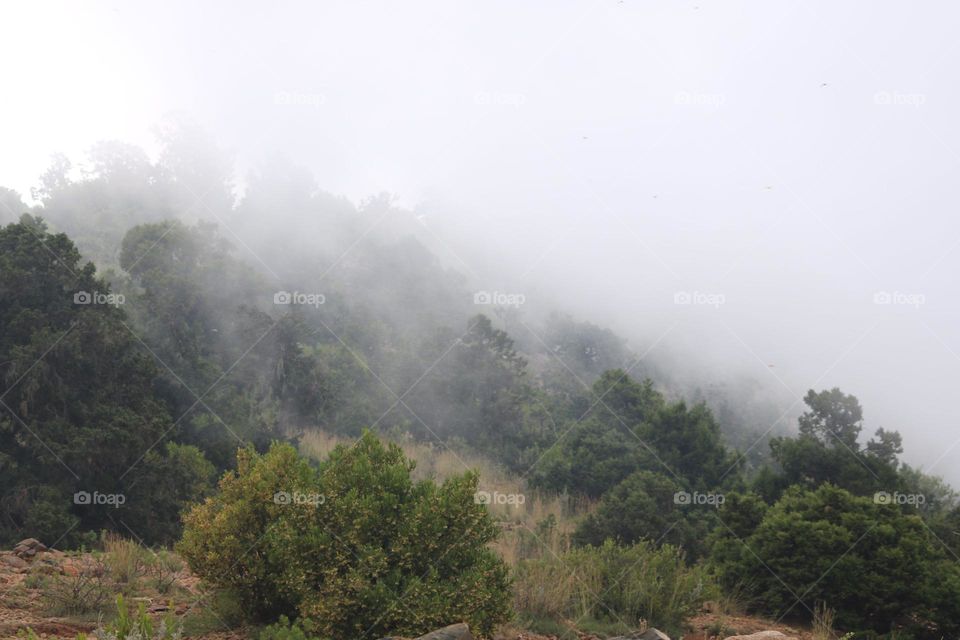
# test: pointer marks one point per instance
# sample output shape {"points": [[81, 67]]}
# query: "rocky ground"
{"points": [[37, 584]]}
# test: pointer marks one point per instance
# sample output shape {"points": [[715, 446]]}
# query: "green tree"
{"points": [[827, 449], [354, 548], [645, 507], [77, 386], [631, 427], [877, 567]]}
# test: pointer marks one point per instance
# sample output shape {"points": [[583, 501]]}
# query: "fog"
{"points": [[746, 191]]}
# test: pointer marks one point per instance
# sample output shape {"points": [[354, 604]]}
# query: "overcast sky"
{"points": [[784, 164]]}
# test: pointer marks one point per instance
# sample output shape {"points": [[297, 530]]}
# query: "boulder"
{"points": [[29, 547], [453, 632], [14, 561]]}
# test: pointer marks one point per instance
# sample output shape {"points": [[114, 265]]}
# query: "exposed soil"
{"points": [[25, 582]]}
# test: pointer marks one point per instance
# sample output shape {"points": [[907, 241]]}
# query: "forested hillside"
{"points": [[154, 323]]}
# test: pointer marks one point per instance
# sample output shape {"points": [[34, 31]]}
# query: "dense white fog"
{"points": [[759, 191]]}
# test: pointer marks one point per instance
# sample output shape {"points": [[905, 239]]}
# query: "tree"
{"points": [[645, 507], [827, 449], [354, 548], [833, 416], [476, 392], [631, 427], [878, 567], [77, 385]]}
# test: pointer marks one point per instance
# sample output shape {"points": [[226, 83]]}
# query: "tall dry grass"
{"points": [[534, 524], [823, 622]]}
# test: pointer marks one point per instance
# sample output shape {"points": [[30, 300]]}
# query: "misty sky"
{"points": [[787, 162]]}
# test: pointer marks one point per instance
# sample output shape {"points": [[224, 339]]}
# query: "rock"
{"points": [[29, 547], [453, 632], [33, 543], [14, 561], [762, 635]]}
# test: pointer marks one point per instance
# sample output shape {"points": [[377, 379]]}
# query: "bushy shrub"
{"points": [[284, 629], [614, 583], [353, 548], [643, 507], [877, 567]]}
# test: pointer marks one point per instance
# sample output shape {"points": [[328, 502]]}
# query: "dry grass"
{"points": [[125, 559], [534, 524], [823, 622]]}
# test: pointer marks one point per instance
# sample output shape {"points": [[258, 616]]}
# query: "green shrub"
{"points": [[133, 624], [353, 548], [642, 507], [877, 567], [284, 630], [626, 585]]}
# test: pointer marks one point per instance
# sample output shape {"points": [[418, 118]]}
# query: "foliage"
{"points": [[284, 630], [129, 624], [631, 427], [878, 567], [643, 507], [359, 549], [78, 385], [133, 624], [627, 585], [827, 449]]}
